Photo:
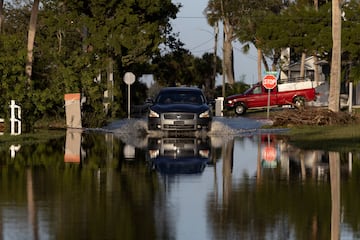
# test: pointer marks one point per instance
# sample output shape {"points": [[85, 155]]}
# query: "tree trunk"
{"points": [[316, 70], [31, 39], [302, 65], [316, 5], [213, 80], [334, 93], [1, 15], [316, 66], [259, 58], [228, 53], [266, 65], [276, 57]]}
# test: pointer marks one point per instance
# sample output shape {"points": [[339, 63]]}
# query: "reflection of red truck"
{"points": [[295, 94]]}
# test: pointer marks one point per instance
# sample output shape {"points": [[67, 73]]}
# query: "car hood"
{"points": [[179, 108]]}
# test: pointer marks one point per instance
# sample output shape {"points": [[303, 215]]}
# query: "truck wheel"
{"points": [[299, 102], [240, 109]]}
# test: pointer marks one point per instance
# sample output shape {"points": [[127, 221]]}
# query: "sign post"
{"points": [[129, 78], [269, 82]]}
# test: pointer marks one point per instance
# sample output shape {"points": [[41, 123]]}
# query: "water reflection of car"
{"points": [[180, 109], [186, 155]]}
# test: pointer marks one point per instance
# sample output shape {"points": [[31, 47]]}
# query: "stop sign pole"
{"points": [[129, 78], [269, 82]]}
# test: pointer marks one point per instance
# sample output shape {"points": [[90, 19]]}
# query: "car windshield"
{"points": [[176, 97], [249, 90]]}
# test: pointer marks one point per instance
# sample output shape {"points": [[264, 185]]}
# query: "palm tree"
{"points": [[31, 39], [334, 93], [220, 10]]}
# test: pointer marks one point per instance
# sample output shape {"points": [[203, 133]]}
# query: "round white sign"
{"points": [[129, 78]]}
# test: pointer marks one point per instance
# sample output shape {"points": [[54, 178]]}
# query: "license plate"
{"points": [[179, 122], [179, 145]]}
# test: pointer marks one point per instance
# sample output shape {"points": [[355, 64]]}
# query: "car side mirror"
{"points": [[149, 101]]}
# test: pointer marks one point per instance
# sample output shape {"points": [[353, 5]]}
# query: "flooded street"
{"points": [[236, 182]]}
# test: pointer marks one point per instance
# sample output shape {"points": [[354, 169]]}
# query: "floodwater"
{"points": [[236, 182]]}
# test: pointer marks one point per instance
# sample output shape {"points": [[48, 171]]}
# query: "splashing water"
{"points": [[135, 131]]}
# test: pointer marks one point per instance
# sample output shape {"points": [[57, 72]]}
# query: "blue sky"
{"points": [[198, 37]]}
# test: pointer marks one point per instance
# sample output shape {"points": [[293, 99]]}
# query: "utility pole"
{"points": [[223, 50], [223, 63], [216, 31]]}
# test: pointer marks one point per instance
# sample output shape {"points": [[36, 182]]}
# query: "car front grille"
{"points": [[178, 121], [179, 116]]}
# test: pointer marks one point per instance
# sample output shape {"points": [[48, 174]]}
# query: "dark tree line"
{"points": [[87, 46]]}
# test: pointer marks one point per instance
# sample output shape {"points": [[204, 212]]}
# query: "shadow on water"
{"points": [[121, 182]]}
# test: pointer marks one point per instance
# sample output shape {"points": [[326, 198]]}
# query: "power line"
{"points": [[201, 44], [204, 50], [245, 54]]}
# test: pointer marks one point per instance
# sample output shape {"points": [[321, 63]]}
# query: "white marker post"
{"points": [[15, 116], [129, 78]]}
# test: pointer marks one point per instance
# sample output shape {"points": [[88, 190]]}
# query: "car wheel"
{"points": [[240, 109], [299, 102]]}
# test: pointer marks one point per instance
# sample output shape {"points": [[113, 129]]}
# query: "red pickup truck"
{"points": [[283, 94]]}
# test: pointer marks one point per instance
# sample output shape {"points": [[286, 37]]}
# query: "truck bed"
{"points": [[290, 86]]}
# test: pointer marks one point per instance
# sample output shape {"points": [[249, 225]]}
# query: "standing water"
{"points": [[236, 182]]}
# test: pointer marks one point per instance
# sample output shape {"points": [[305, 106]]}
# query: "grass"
{"points": [[330, 138]]}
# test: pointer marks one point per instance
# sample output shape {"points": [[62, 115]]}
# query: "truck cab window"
{"points": [[257, 90]]}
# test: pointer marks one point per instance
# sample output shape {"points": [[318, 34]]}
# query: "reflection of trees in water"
{"points": [[108, 195], [350, 194], [279, 206], [103, 196], [334, 162], [127, 194]]}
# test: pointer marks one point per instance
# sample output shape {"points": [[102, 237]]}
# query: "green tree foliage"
{"points": [[204, 76], [75, 43], [12, 62], [351, 41], [303, 29], [190, 70], [180, 62], [12, 75], [240, 20]]}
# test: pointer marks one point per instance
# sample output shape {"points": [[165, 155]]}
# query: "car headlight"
{"points": [[204, 153], [205, 114], [153, 114], [154, 153]]}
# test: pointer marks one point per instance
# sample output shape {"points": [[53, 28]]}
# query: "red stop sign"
{"points": [[269, 81], [269, 153]]}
